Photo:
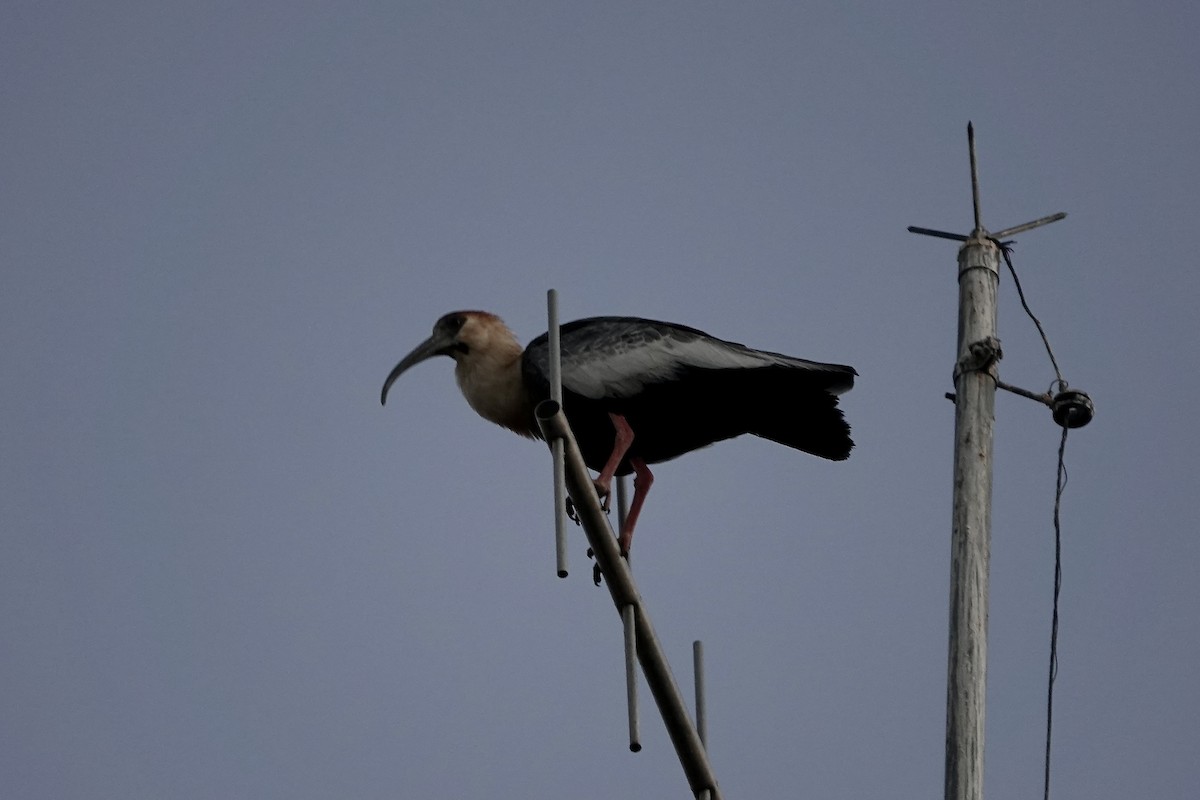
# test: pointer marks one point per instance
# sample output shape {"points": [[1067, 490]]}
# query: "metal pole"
{"points": [[698, 679], [974, 416], [556, 447], [974, 177], [629, 627], [622, 502], [623, 510], [623, 590]]}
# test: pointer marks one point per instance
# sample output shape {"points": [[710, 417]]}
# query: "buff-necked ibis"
{"points": [[640, 392]]}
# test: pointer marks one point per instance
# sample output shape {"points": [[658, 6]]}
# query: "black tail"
{"points": [[796, 409]]}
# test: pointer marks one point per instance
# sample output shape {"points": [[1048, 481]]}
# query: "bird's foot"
{"points": [[597, 573], [604, 494]]}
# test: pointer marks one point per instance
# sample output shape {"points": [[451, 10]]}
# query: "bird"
{"points": [[638, 392]]}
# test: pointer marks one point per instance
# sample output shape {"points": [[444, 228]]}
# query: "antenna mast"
{"points": [[975, 382]]}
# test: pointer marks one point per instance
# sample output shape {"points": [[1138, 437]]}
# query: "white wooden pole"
{"points": [[975, 400]]}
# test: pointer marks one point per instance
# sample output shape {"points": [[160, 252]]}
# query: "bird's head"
{"points": [[465, 336]]}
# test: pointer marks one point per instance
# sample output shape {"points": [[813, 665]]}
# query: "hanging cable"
{"points": [[1060, 485], [1006, 250], [1071, 409]]}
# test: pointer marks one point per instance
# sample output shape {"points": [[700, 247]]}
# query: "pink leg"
{"points": [[623, 439], [642, 481]]}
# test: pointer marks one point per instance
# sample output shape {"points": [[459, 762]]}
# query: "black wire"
{"points": [[1007, 251], [1060, 485]]}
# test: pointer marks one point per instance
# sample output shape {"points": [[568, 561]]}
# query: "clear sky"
{"points": [[227, 572]]}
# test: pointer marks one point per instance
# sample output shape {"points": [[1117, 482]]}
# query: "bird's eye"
{"points": [[451, 323]]}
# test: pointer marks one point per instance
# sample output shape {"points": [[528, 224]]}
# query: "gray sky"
{"points": [[226, 572]]}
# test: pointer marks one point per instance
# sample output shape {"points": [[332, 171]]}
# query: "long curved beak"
{"points": [[435, 345]]}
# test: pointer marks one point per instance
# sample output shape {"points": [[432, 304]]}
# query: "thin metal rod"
{"points": [[556, 447], [1045, 398], [560, 533], [974, 177], [629, 626], [1028, 226], [974, 417], [559, 505], [623, 590], [958, 237], [623, 509], [555, 347], [698, 679], [622, 501]]}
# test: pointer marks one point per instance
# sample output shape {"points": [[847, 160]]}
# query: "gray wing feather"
{"points": [[620, 356]]}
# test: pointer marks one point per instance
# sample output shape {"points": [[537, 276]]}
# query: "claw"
{"points": [[604, 494], [572, 514], [597, 575]]}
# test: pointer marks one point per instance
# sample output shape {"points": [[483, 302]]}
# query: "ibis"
{"points": [[638, 392]]}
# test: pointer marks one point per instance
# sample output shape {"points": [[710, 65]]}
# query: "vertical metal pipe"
{"points": [[556, 447], [560, 533], [974, 416], [623, 509], [974, 179], [698, 679], [555, 347], [622, 502], [629, 626]]}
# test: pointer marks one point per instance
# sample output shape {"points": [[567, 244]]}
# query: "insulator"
{"points": [[1072, 408]]}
